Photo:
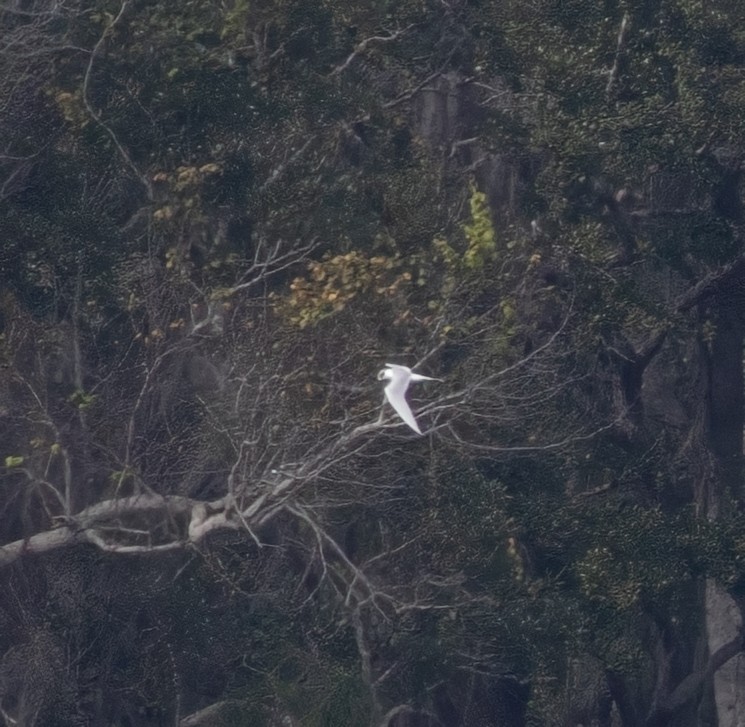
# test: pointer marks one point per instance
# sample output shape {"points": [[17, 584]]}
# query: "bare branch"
{"points": [[278, 171], [403, 709], [274, 262], [40, 543], [362, 47], [413, 91], [207, 716], [93, 537], [689, 687], [717, 283], [621, 42], [76, 528], [97, 116]]}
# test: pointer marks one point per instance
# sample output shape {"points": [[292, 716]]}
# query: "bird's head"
{"points": [[384, 374]]}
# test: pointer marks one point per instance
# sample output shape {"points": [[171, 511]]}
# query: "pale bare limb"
{"points": [[620, 43], [687, 690], [368, 592], [403, 709], [412, 91], [279, 170], [362, 46], [206, 717], [273, 263], [92, 536], [96, 115]]}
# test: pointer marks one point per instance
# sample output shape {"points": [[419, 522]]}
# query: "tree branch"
{"points": [[207, 716], [714, 284], [97, 116], [362, 47], [689, 687], [613, 74], [81, 527], [407, 709]]}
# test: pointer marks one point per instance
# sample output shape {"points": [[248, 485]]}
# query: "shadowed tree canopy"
{"points": [[219, 222]]}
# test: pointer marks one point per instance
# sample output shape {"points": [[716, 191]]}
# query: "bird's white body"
{"points": [[399, 378]]}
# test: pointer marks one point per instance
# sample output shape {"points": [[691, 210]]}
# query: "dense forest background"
{"points": [[219, 219]]}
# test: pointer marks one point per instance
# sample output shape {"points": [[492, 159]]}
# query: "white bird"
{"points": [[399, 378]]}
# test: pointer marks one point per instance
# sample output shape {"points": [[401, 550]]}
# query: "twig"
{"points": [[97, 116], [613, 74], [362, 47], [412, 92]]}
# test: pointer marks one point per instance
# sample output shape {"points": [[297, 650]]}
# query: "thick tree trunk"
{"points": [[725, 408], [724, 435], [723, 624]]}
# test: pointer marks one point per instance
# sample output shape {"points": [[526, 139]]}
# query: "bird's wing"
{"points": [[399, 367], [420, 377], [396, 394], [412, 376]]}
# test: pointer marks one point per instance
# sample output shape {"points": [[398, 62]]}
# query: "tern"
{"points": [[399, 378]]}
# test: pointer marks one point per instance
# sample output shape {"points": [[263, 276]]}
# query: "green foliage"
{"points": [[330, 695], [480, 234], [81, 399], [335, 282], [165, 328]]}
